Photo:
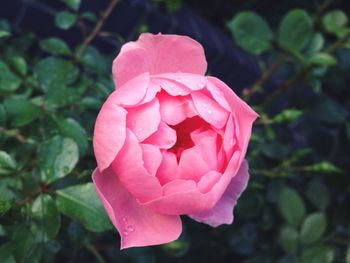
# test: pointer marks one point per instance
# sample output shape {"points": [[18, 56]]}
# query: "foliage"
{"points": [[296, 206]]}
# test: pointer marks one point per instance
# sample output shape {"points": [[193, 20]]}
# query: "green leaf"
{"points": [[72, 129], [347, 257], [73, 4], [19, 64], [52, 72], [291, 206], [295, 30], [21, 112], [322, 59], [313, 228], [4, 34], [93, 59], [251, 32], [57, 156], [322, 167], [288, 239], [89, 16], [316, 43], [2, 115], [9, 82], [23, 241], [65, 20], [44, 210], [317, 254], [6, 251], [318, 194], [6, 196], [6, 161], [173, 5], [80, 202], [55, 46], [287, 115], [334, 20], [90, 103]]}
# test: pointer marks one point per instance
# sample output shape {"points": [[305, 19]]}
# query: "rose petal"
{"points": [[184, 82], [218, 95], [144, 119], [209, 109], [174, 110], [192, 164], [242, 115], [179, 186], [229, 141], [167, 170], [194, 201], [152, 158], [137, 226], [208, 180], [164, 137], [129, 166], [158, 54], [222, 213], [109, 132], [152, 91], [133, 91]]}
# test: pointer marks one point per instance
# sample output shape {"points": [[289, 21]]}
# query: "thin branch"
{"points": [[248, 93], [15, 133], [98, 26], [97, 255], [286, 86], [320, 10]]}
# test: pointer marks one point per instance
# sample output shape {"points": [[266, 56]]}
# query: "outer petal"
{"points": [[133, 91], [137, 226], [109, 133], [242, 114], [158, 54], [222, 213], [185, 83], [194, 201], [144, 119], [130, 168]]}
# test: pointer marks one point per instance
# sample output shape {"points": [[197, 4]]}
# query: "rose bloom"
{"points": [[169, 141]]}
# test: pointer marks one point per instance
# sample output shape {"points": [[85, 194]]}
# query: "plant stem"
{"points": [[94, 251], [248, 93], [15, 133], [320, 10], [286, 86], [98, 26]]}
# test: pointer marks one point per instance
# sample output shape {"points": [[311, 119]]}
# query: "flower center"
{"points": [[183, 134]]}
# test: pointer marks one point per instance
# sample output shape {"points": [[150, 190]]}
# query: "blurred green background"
{"points": [[290, 60]]}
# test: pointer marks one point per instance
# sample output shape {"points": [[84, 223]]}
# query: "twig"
{"points": [[98, 26], [248, 93], [15, 133], [94, 251], [338, 43], [320, 10], [286, 86]]}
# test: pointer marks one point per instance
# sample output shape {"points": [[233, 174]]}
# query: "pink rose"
{"points": [[169, 141]]}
